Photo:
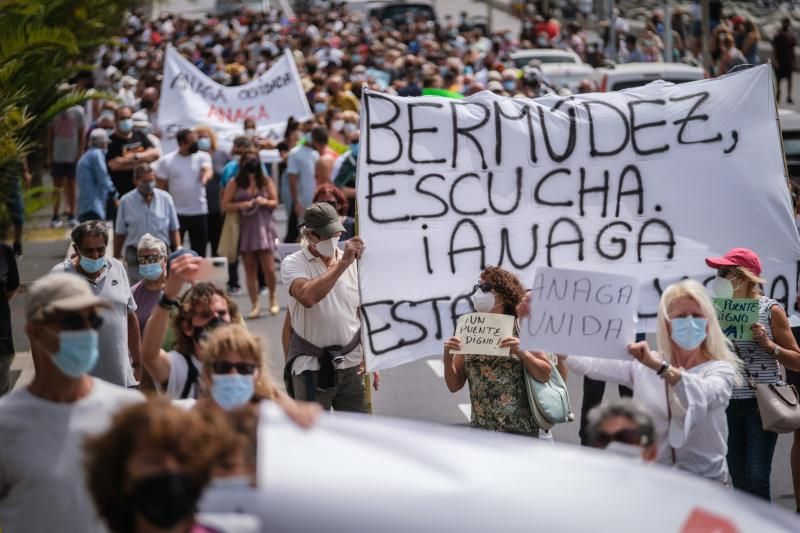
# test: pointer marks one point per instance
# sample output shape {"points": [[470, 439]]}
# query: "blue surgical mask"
{"points": [[204, 143], [151, 272], [232, 390], [354, 149], [92, 266], [509, 85], [77, 352], [320, 107], [125, 125], [689, 332]]}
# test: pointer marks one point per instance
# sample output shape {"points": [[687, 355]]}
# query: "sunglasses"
{"points": [[149, 259], [224, 367], [626, 436], [725, 271], [484, 287], [77, 321]]}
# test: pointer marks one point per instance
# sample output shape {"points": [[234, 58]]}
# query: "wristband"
{"points": [[664, 367], [167, 303]]}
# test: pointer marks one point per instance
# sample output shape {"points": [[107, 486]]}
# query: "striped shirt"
{"points": [[761, 364]]}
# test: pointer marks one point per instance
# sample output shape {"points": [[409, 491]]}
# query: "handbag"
{"points": [[549, 401], [778, 404], [229, 238]]}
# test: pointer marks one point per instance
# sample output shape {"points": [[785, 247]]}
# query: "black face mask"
{"points": [[199, 333], [165, 499], [146, 104], [193, 148], [251, 166]]}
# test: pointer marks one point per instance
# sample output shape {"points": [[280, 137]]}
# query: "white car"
{"points": [[562, 68], [628, 75], [357, 473]]}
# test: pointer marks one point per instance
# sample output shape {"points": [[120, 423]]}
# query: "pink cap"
{"points": [[741, 257]]}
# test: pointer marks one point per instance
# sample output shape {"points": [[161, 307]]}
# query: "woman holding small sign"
{"points": [[750, 447], [686, 385], [497, 383]]}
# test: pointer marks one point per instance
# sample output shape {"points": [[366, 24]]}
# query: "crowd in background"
{"points": [[149, 462]]}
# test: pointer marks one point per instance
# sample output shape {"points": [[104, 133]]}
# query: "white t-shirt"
{"points": [[698, 428], [179, 373], [42, 485], [334, 319], [183, 175]]}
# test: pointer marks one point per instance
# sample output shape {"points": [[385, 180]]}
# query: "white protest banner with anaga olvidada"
{"points": [[646, 183], [190, 98]]}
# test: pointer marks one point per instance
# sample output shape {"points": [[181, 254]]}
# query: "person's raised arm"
{"points": [[310, 291], [155, 360], [455, 375]]}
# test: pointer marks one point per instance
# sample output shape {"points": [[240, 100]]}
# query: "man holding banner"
{"points": [[325, 358]]}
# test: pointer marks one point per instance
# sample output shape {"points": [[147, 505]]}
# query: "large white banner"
{"points": [[190, 98], [645, 182]]}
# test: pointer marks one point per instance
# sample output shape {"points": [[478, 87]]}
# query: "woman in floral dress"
{"points": [[497, 384]]}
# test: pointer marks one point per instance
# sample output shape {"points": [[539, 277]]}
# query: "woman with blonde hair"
{"points": [[686, 385], [750, 447], [234, 375]]}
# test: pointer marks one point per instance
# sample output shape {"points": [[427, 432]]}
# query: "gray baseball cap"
{"points": [[322, 219], [60, 292]]}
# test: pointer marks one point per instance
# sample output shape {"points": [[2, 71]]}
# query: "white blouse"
{"points": [[698, 431]]}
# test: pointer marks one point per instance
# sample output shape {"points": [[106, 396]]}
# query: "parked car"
{"points": [[628, 75], [562, 68], [398, 476]]}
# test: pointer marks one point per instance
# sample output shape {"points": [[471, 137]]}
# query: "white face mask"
{"points": [[723, 288], [327, 247], [483, 302]]}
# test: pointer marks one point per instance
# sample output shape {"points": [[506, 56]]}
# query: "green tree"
{"points": [[42, 44]]}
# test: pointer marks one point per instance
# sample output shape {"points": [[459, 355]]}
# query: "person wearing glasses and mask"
{"points": [[497, 384], [201, 309], [750, 447], [120, 340], [235, 375], [623, 427], [686, 384], [152, 258], [45, 424], [325, 360]]}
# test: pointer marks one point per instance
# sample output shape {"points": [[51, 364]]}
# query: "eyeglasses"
{"points": [[484, 287], [224, 367], [626, 436], [725, 271], [77, 321], [149, 259]]}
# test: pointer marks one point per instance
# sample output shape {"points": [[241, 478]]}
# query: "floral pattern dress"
{"points": [[498, 395]]}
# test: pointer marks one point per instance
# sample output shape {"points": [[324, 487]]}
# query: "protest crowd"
{"points": [[148, 381]]}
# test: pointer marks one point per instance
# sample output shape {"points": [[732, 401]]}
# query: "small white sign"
{"points": [[578, 312], [481, 333]]}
